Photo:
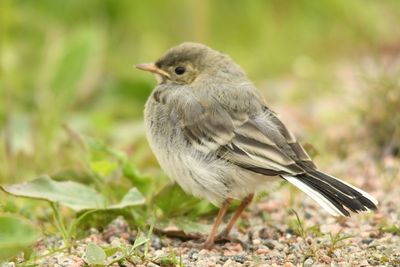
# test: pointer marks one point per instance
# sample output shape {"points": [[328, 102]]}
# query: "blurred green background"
{"points": [[67, 70]]}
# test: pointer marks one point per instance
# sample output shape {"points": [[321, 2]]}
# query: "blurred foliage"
{"points": [[16, 234], [67, 81], [380, 108]]}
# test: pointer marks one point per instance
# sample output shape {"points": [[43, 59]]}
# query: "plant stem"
{"points": [[59, 223]]}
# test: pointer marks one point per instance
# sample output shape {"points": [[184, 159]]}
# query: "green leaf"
{"points": [[111, 250], [71, 194], [139, 241], [182, 224], [144, 183], [15, 235], [182, 227], [393, 229], [95, 255], [132, 198], [74, 195], [174, 201], [103, 167], [189, 226]]}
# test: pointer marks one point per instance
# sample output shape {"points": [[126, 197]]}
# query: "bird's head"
{"points": [[187, 62]]}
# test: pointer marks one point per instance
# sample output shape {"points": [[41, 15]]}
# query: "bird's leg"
{"points": [[245, 202], [211, 237]]}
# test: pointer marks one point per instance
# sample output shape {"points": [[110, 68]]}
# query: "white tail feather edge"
{"points": [[318, 197]]}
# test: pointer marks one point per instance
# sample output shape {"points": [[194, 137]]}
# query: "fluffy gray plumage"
{"points": [[213, 134]]}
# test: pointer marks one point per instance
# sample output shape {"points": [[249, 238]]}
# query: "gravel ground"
{"points": [[270, 235]]}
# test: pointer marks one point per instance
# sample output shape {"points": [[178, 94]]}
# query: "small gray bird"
{"points": [[213, 134]]}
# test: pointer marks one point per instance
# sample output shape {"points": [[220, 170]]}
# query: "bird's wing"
{"points": [[259, 143], [264, 145]]}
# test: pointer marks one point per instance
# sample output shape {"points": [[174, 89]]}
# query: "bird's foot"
{"points": [[223, 235], [224, 238], [209, 243]]}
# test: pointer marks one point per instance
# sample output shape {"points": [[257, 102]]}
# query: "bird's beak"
{"points": [[151, 67]]}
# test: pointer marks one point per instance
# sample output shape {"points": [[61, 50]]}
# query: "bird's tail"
{"points": [[335, 196]]}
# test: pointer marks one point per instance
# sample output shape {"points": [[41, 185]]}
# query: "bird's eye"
{"points": [[180, 70]]}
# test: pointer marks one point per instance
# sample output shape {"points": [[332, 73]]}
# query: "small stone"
{"points": [[115, 241], [228, 263], [262, 251], [193, 254], [203, 252], [291, 258], [374, 234], [367, 241], [270, 206], [239, 258], [280, 259], [156, 242], [288, 264], [308, 262], [269, 243], [294, 247], [256, 242], [158, 253], [233, 249], [268, 233], [223, 259], [131, 239], [325, 259], [93, 231], [337, 253]]}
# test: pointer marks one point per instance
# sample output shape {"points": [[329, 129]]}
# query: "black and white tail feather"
{"points": [[336, 196]]}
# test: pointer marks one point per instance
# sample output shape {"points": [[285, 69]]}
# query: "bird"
{"points": [[214, 135]]}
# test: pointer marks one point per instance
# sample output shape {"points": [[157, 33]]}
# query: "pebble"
{"points": [[288, 264], [158, 253], [269, 243], [325, 259], [308, 262], [203, 252], [152, 264], [156, 242], [239, 258], [228, 263], [193, 254], [367, 241], [261, 251]]}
